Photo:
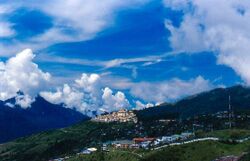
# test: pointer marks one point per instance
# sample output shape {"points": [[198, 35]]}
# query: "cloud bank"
{"points": [[90, 94], [171, 90], [223, 29], [73, 20], [19, 73], [87, 95]]}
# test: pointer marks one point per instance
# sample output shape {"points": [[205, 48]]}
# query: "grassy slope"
{"points": [[111, 156], [202, 151], [205, 151], [227, 134], [49, 144], [69, 141]]}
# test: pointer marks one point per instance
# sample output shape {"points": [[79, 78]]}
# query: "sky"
{"points": [[94, 55]]}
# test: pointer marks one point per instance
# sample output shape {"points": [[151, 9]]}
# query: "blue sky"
{"points": [[132, 44]]}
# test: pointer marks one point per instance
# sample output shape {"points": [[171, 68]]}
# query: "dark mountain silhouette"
{"points": [[203, 103], [17, 122]]}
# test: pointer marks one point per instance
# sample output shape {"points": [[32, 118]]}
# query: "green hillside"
{"points": [[69, 141], [203, 103], [49, 144], [110, 156], [205, 151]]}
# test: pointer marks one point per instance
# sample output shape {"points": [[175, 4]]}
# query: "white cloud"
{"points": [[139, 105], [158, 92], [6, 30], [73, 20], [24, 101], [89, 92], [5, 27], [145, 61], [87, 95], [89, 82], [223, 29], [19, 73], [9, 105], [116, 101], [182, 5], [169, 90], [71, 97]]}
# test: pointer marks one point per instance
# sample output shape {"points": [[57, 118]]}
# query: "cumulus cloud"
{"points": [[171, 90], [20, 73], [223, 29], [71, 97], [117, 101], [87, 95], [139, 105], [24, 101]]}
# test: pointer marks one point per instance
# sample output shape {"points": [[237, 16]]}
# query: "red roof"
{"points": [[143, 139]]}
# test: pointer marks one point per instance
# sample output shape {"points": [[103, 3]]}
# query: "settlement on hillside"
{"points": [[122, 115]]}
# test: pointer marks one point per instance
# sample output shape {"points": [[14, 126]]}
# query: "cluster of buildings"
{"points": [[221, 114], [226, 114], [173, 138], [147, 142], [122, 115], [136, 143]]}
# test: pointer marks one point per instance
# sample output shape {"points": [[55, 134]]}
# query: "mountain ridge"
{"points": [[42, 115], [206, 102]]}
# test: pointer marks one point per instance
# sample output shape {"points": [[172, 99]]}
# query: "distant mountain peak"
{"points": [[42, 115], [20, 93], [211, 101]]}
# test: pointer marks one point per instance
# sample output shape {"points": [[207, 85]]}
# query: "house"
{"points": [[145, 144], [104, 147], [167, 139], [92, 149], [186, 135], [123, 144], [134, 146], [141, 140], [85, 152], [88, 151], [175, 137]]}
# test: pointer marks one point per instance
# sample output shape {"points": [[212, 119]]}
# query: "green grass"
{"points": [[227, 134], [46, 145], [69, 141], [110, 156], [202, 151]]}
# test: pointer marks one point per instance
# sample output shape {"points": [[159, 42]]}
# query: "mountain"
{"points": [[203, 103], [17, 122], [48, 144], [70, 140]]}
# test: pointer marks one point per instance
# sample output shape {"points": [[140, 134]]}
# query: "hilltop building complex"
{"points": [[119, 116]]}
